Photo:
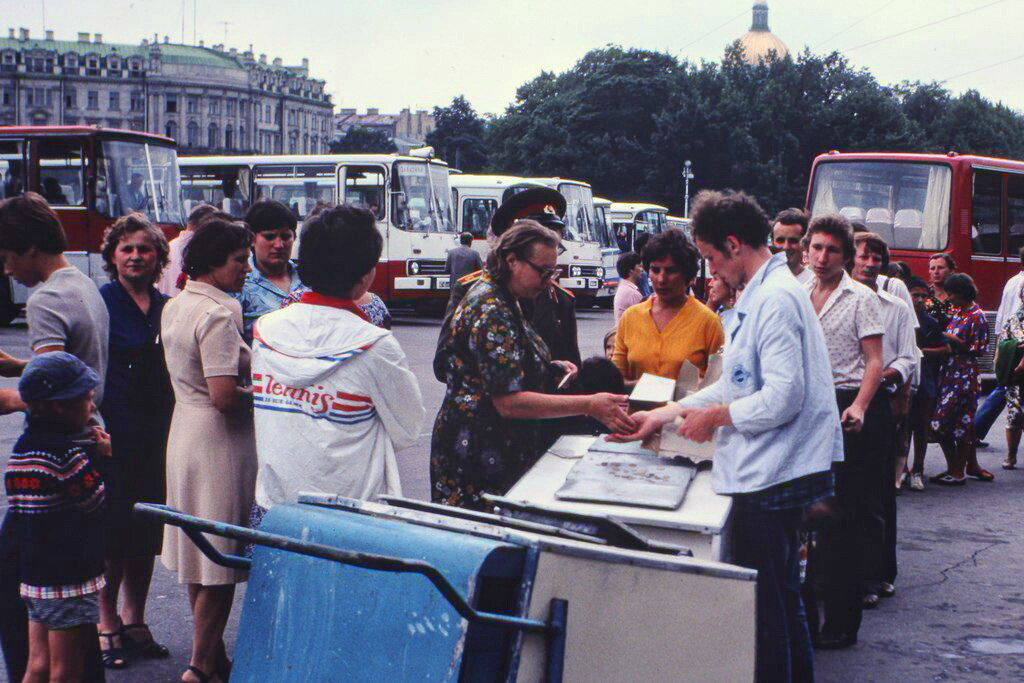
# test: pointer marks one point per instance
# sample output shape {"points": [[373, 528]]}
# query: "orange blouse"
{"points": [[693, 334]]}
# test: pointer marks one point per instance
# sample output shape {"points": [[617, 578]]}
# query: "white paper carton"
{"points": [[668, 443]]}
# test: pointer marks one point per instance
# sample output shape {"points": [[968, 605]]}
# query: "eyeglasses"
{"points": [[544, 273]]}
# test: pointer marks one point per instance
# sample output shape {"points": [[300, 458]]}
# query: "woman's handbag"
{"points": [[1008, 357]]}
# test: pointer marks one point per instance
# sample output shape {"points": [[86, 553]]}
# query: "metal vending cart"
{"points": [[342, 590]]}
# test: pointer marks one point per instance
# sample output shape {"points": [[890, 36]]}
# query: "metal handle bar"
{"points": [[193, 526]]}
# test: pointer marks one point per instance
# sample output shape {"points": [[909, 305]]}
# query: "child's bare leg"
{"points": [[38, 669], [67, 654]]}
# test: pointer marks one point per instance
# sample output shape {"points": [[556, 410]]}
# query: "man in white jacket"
{"points": [[333, 394]]}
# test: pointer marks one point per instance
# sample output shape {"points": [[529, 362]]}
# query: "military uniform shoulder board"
{"points": [[470, 278], [564, 289]]}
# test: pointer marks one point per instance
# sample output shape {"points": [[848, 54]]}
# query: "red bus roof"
{"points": [[951, 157], [84, 130]]}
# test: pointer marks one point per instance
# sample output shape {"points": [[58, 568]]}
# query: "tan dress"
{"points": [[211, 457]]}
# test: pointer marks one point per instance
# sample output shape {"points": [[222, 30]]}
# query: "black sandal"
{"points": [[112, 657], [200, 674], [147, 647]]}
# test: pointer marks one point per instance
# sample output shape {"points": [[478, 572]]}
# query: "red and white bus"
{"points": [[970, 207], [409, 195], [90, 176]]}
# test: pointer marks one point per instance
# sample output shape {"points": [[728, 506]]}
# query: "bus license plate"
{"points": [[593, 283], [443, 283]]}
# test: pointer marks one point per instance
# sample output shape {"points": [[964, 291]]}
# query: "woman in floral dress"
{"points": [[499, 373], [959, 388]]}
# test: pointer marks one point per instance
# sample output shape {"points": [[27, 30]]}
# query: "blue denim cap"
{"points": [[56, 376]]}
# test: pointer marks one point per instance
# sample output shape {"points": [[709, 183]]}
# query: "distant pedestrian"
{"points": [[934, 350], [171, 278], [463, 259], [631, 269], [940, 267]]}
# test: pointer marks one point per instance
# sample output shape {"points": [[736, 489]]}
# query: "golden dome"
{"points": [[759, 40]]}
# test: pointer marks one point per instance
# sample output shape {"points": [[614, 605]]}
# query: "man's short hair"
{"points": [[270, 214], [792, 216], [338, 246], [675, 245], [200, 212], [950, 263], [626, 263], [28, 221], [727, 213], [466, 239], [875, 244], [835, 225]]}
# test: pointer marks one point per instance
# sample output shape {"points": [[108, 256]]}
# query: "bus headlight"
{"points": [[574, 271], [414, 268], [600, 271]]}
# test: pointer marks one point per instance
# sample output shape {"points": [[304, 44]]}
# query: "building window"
{"points": [[267, 116], [172, 104], [114, 67], [212, 136], [137, 102], [37, 97], [8, 97], [70, 98], [214, 107], [135, 68], [92, 66], [93, 99], [277, 116], [71, 63], [193, 134], [115, 101], [171, 130], [231, 107], [193, 105], [39, 65], [229, 137], [242, 142], [8, 62]]}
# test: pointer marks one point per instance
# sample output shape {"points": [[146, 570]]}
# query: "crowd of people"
{"points": [[215, 376]]}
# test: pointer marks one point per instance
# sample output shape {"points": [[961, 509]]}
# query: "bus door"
{"points": [[989, 231], [365, 186]]}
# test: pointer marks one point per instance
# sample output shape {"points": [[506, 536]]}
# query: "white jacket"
{"points": [[334, 398]]}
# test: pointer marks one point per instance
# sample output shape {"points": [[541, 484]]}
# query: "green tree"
{"points": [[459, 136], [364, 141]]}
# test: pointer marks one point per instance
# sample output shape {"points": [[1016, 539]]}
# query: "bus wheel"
{"points": [[8, 309]]}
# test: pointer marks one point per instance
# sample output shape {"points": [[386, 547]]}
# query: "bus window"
{"points": [[476, 215], [12, 168], [987, 213], [226, 187], [298, 187], [136, 176], [579, 212], [605, 234], [364, 187], [444, 215], [1015, 219], [61, 171]]}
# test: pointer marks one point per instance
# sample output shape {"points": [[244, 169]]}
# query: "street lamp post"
{"points": [[687, 177]]}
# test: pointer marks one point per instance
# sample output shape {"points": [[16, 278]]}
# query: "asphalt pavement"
{"points": [[958, 612]]}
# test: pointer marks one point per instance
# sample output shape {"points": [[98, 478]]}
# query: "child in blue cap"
{"points": [[56, 495]]}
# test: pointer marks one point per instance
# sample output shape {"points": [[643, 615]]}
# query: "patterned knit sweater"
{"points": [[56, 496]]}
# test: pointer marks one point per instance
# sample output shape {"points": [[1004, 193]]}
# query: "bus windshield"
{"points": [[906, 203], [226, 187], [423, 202], [579, 212], [143, 177]]}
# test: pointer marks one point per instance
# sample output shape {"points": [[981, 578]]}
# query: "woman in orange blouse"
{"points": [[656, 336]]}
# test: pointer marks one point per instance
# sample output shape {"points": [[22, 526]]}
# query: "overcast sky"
{"points": [[420, 53]]}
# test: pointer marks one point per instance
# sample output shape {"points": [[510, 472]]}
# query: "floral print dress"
{"points": [[1014, 329], [491, 350], [959, 386]]}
